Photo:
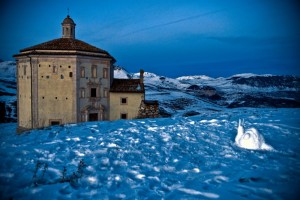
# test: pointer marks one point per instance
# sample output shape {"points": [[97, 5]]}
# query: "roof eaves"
{"points": [[64, 53]]}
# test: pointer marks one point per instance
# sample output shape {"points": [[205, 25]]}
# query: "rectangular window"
{"points": [[94, 71], [105, 73], [54, 69], [55, 122], [123, 116], [82, 72], [105, 93], [70, 74], [123, 100], [24, 69], [82, 93], [93, 92]]}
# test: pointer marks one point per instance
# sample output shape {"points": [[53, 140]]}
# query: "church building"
{"points": [[66, 80]]}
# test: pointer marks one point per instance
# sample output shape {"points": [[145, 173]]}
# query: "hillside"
{"points": [[190, 95]]}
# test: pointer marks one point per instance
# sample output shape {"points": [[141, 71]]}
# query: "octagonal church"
{"points": [[66, 80]]}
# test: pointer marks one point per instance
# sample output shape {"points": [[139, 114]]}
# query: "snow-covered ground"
{"points": [[166, 158]]}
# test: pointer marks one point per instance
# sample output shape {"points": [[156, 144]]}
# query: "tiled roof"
{"points": [[65, 44], [127, 85]]}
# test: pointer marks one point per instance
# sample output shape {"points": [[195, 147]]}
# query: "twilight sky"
{"points": [[168, 37]]}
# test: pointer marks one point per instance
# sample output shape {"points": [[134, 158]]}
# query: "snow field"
{"points": [[171, 158]]}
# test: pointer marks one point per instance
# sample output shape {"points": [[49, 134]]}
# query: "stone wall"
{"points": [[148, 109], [87, 81], [56, 90], [24, 92]]}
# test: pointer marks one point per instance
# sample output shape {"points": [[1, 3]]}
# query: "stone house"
{"points": [[126, 96], [66, 80]]}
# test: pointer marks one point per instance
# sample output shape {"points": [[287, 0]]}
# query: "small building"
{"points": [[126, 96], [66, 80]]}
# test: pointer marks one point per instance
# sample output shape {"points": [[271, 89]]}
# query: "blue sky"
{"points": [[170, 37]]}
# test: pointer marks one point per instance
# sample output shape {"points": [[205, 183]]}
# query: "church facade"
{"points": [[66, 80]]}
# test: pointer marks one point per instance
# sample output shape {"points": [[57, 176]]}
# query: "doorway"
{"points": [[93, 117]]}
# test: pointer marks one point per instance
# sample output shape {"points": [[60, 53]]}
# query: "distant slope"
{"points": [[121, 73], [250, 90], [8, 102], [8, 70], [280, 82], [193, 94]]}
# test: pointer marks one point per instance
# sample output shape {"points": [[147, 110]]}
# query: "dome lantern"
{"points": [[68, 28]]}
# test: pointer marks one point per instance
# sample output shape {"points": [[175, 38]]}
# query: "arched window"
{"points": [[105, 93], [94, 71], [82, 92], [105, 73], [82, 72]]}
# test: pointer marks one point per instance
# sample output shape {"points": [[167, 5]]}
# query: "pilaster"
{"points": [[34, 92]]}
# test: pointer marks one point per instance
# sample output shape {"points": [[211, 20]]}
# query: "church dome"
{"points": [[68, 20]]}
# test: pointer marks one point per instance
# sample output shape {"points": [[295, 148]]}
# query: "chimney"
{"points": [[142, 78]]}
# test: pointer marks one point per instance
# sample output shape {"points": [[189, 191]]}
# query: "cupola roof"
{"points": [[68, 20]]}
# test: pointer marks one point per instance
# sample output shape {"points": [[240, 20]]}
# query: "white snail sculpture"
{"points": [[250, 139]]}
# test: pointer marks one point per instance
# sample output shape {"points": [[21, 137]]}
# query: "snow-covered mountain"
{"points": [[8, 90], [121, 73], [248, 90], [190, 95]]}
